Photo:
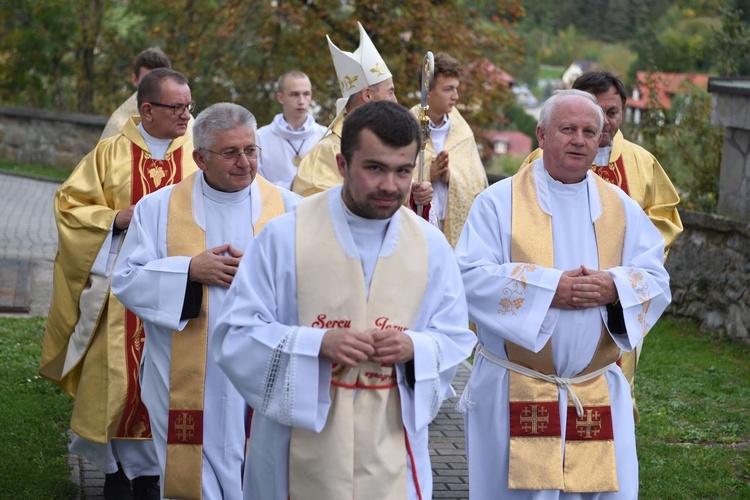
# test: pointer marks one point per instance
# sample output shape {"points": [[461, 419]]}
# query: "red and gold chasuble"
{"points": [[536, 457], [361, 451], [147, 176], [614, 173], [187, 370]]}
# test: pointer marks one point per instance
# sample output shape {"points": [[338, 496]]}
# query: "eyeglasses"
{"points": [[177, 108], [252, 153]]}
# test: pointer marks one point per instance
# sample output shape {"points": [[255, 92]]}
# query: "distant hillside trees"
{"points": [[76, 55]]}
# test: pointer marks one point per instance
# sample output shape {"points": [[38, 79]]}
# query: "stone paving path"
{"points": [[27, 231]]}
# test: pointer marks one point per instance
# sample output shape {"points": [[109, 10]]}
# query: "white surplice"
{"points": [[280, 143], [483, 253], [152, 285], [275, 365]]}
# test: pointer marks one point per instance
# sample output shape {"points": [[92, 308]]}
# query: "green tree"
{"points": [[37, 43], [682, 44], [731, 49], [234, 50]]}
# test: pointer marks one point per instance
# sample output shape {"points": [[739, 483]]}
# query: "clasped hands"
{"points": [[351, 347], [439, 168], [582, 288], [216, 266]]}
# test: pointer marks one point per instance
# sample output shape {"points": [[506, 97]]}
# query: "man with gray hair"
{"points": [[563, 272], [177, 262]]}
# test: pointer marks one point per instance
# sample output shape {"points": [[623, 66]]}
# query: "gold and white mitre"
{"points": [[359, 69]]}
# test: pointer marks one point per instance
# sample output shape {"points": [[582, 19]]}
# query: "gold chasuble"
{"points": [[468, 177], [535, 459], [92, 348], [361, 452], [187, 370], [318, 170]]}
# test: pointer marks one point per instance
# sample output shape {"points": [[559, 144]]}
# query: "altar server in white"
{"points": [[178, 259], [563, 271], [292, 133], [344, 327]]}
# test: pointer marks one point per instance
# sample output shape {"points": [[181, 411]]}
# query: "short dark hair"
{"points": [[445, 65], [149, 89], [294, 73], [391, 123], [151, 58], [599, 82]]}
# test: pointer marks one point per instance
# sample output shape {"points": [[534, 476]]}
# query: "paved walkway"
{"points": [[27, 231]]}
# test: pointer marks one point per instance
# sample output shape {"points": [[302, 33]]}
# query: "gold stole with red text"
{"points": [[361, 451], [536, 451], [187, 370]]}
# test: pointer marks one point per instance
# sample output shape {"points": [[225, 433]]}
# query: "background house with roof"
{"points": [[576, 69], [657, 90]]}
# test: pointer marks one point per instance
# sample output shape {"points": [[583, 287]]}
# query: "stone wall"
{"points": [[37, 136], [709, 265], [731, 110]]}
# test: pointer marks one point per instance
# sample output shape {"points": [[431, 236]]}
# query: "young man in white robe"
{"points": [[343, 329], [563, 272], [292, 133], [177, 262]]}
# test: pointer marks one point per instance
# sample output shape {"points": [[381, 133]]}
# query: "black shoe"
{"points": [[117, 486], [146, 488]]}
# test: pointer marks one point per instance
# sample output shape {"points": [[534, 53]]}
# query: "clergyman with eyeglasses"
{"points": [[92, 344], [177, 262]]}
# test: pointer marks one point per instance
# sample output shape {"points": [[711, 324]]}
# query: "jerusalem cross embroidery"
{"points": [[185, 427], [590, 425], [594, 425], [532, 419]]}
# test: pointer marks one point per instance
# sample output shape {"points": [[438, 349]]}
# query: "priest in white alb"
{"points": [[344, 327], [563, 272], [178, 260]]}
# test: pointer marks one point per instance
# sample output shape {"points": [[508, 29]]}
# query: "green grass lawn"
{"points": [[547, 72], [693, 393], [693, 439], [34, 417], [45, 171]]}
